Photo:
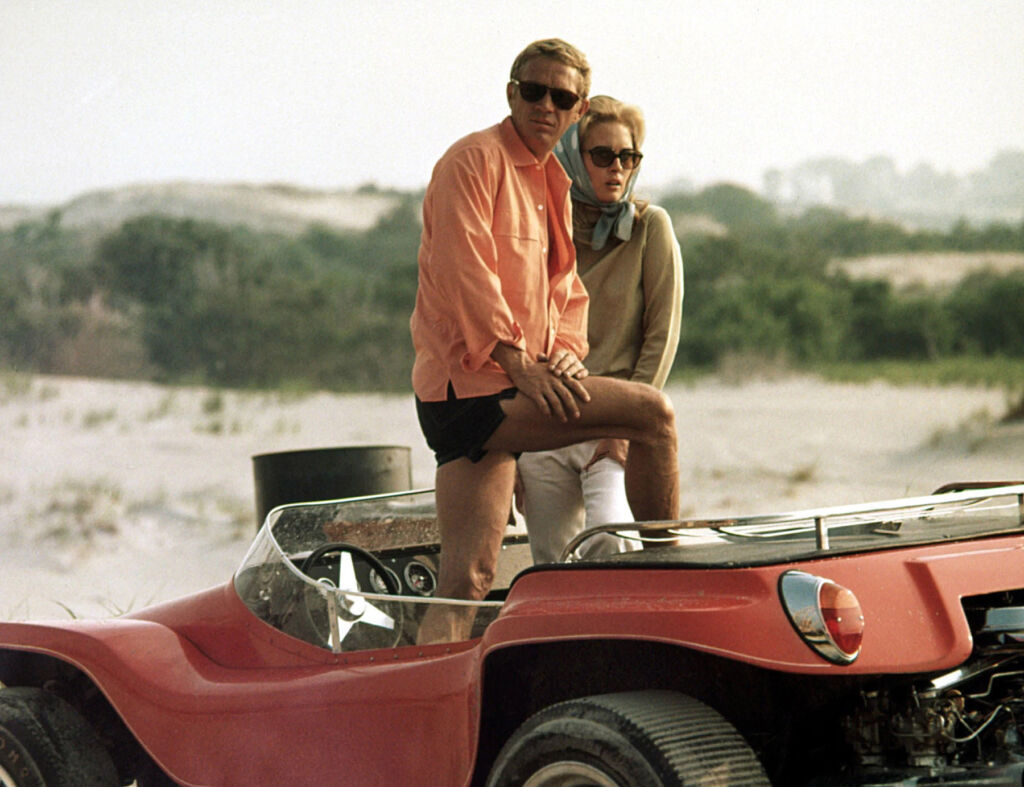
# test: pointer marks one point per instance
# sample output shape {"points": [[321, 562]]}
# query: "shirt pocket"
{"points": [[517, 239], [512, 220]]}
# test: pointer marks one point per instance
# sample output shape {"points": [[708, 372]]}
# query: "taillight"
{"points": [[827, 616]]}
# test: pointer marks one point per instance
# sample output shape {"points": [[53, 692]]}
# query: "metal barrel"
{"points": [[328, 473]]}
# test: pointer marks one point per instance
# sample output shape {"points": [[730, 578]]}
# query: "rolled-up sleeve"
{"points": [[464, 257], [572, 322]]}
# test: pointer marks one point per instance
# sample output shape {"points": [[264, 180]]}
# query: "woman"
{"points": [[629, 260]]}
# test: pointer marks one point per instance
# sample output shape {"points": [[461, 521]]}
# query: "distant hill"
{"points": [[920, 197], [271, 207]]}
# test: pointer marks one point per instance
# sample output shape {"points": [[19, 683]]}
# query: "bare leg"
{"points": [[640, 413], [473, 498], [472, 513], [652, 490]]}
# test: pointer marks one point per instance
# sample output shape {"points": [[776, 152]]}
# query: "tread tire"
{"points": [[644, 737], [47, 743]]}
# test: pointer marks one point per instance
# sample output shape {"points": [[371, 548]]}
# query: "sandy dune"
{"points": [[929, 269], [264, 207], [115, 495]]}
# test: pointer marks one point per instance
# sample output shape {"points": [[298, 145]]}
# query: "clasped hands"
{"points": [[569, 370], [557, 384], [554, 384]]}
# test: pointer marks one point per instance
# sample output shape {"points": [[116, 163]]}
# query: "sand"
{"points": [[932, 270], [116, 495]]}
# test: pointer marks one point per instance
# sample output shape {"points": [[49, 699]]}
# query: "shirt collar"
{"points": [[521, 155]]}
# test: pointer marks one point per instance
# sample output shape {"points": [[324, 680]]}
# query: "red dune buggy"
{"points": [[870, 644]]}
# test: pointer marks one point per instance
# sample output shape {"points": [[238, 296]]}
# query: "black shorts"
{"points": [[460, 427]]}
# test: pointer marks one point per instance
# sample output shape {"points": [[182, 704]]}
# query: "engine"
{"points": [[962, 727], [974, 720]]}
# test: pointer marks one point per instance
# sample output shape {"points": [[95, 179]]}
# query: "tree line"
{"points": [[181, 300], [766, 287]]}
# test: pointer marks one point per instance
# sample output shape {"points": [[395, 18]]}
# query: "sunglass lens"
{"points": [[602, 157], [532, 91], [535, 91], [563, 99]]}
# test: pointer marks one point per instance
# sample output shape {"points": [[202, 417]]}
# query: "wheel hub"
{"points": [[569, 774]]}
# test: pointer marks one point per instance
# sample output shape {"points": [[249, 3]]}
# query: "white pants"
{"points": [[561, 498]]}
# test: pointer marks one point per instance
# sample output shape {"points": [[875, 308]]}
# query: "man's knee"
{"points": [[658, 413], [474, 583]]}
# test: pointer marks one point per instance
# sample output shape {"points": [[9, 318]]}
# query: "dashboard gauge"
{"points": [[420, 578], [380, 585]]}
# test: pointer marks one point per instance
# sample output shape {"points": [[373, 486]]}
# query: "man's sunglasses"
{"points": [[604, 156], [535, 91]]}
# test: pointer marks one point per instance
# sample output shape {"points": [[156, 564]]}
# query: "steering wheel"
{"points": [[316, 557], [362, 624]]}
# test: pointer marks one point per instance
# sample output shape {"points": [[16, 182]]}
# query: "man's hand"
{"points": [[609, 448], [557, 395]]}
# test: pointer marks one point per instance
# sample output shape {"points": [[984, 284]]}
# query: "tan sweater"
{"points": [[636, 298]]}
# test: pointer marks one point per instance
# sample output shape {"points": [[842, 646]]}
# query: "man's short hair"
{"points": [[555, 49]]}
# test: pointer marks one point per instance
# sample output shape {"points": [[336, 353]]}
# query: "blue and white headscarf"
{"points": [[615, 217]]}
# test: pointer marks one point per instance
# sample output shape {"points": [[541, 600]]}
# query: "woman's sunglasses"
{"points": [[535, 91], [604, 156]]}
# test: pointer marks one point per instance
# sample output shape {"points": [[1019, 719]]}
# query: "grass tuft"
{"points": [[81, 512], [213, 403], [93, 419], [1014, 408], [988, 372]]}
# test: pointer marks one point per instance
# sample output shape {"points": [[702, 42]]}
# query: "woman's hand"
{"points": [[518, 494], [565, 363], [609, 448]]}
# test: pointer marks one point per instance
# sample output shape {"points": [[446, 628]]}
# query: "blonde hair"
{"points": [[605, 109], [560, 51]]}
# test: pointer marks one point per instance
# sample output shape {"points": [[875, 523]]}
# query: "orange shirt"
{"points": [[496, 264]]}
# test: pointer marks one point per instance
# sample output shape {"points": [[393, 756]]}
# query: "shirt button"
{"points": [[540, 207]]}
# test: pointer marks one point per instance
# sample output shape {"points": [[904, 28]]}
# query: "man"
{"points": [[499, 331]]}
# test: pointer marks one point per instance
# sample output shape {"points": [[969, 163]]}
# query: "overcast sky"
{"points": [[337, 93]]}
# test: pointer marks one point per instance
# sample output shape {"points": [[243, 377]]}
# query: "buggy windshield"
{"points": [[349, 575]]}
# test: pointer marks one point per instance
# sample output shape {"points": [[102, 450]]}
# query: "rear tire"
{"points": [[44, 742], [653, 738]]}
